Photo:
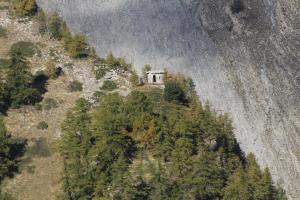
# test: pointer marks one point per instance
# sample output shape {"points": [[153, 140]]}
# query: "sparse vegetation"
{"points": [[49, 104], [25, 48], [42, 22], [134, 79], [77, 47], [117, 63], [98, 95], [100, 72], [42, 125], [109, 85], [54, 26], [75, 86], [51, 70]]}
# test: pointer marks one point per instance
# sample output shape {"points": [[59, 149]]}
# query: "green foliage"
{"points": [[109, 85], [42, 22], [77, 47], [54, 26], [26, 49], [251, 183], [100, 72], [4, 63], [117, 63], [98, 95], [134, 79], [19, 82], [3, 32], [6, 196], [42, 125], [51, 70], [25, 7], [174, 92], [75, 86], [49, 104], [145, 147]]}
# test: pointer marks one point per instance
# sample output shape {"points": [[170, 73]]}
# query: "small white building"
{"points": [[156, 77]]}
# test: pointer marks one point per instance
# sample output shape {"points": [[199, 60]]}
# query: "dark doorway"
{"points": [[154, 79]]}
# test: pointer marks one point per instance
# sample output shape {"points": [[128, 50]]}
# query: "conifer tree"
{"points": [[78, 47], [19, 80]]}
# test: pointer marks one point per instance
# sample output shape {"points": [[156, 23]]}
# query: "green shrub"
{"points": [[54, 26], [49, 103], [51, 70], [75, 86], [77, 47], [42, 125], [117, 63], [174, 92], [98, 95], [3, 32], [42, 21], [100, 72], [25, 7], [109, 85], [40, 148], [26, 49], [5, 63], [134, 79]]}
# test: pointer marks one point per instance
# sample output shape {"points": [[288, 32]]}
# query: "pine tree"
{"points": [[19, 80], [75, 147], [78, 47], [237, 187], [174, 92]]}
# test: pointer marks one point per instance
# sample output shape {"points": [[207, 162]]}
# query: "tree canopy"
{"points": [[144, 146]]}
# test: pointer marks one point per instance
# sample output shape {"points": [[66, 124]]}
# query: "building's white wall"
{"points": [[159, 78]]}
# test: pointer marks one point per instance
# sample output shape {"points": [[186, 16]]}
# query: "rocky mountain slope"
{"points": [[243, 56]]}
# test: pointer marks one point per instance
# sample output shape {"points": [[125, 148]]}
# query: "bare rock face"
{"points": [[243, 55]]}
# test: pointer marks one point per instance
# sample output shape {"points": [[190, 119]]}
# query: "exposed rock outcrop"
{"points": [[244, 59]]}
